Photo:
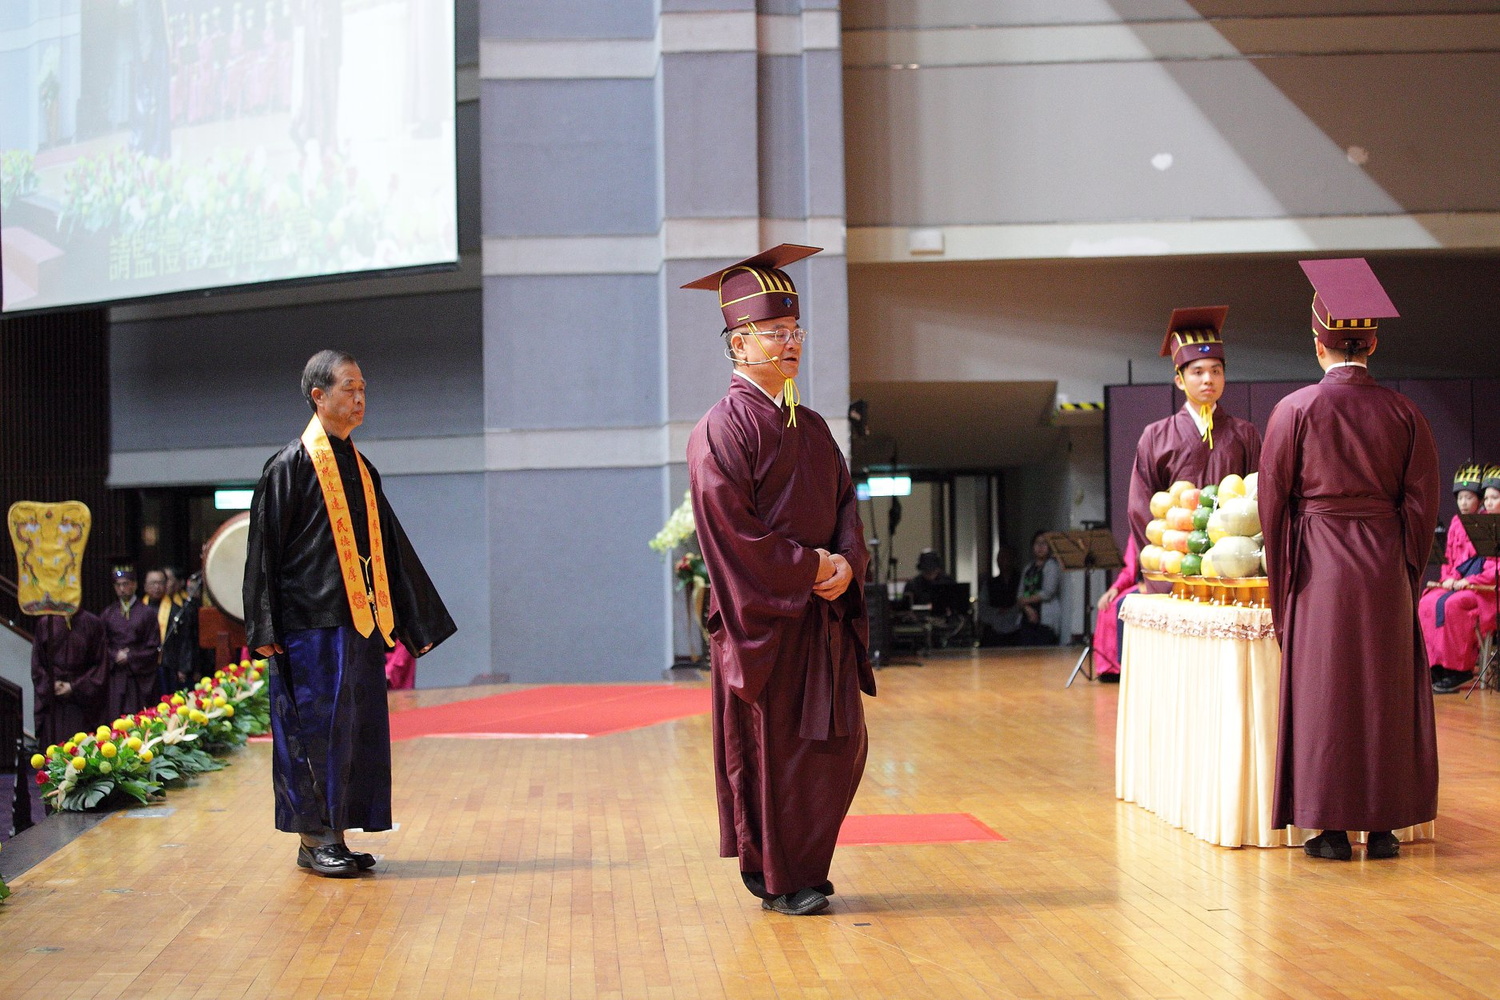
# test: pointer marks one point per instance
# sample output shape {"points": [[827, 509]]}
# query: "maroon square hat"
{"points": [[756, 288], [1348, 302], [1194, 334]]}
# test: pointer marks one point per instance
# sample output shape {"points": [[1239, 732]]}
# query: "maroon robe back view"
{"points": [[1349, 494], [788, 666]]}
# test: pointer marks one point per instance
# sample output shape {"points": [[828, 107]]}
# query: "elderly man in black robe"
{"points": [[778, 522], [331, 583]]}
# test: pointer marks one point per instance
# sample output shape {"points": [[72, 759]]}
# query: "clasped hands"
{"points": [[834, 575]]}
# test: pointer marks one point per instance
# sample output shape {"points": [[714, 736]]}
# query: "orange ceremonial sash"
{"points": [[315, 440]]}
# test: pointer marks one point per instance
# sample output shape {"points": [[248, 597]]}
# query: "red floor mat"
{"points": [[556, 710], [922, 828]]}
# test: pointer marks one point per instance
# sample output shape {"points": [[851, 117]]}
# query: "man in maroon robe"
{"points": [[134, 648], [1349, 494], [1200, 443], [779, 526], [69, 675]]}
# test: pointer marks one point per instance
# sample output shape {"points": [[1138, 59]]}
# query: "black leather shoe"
{"points": [[756, 883], [1382, 845], [361, 860], [797, 904], [328, 861], [1454, 682], [1330, 844]]}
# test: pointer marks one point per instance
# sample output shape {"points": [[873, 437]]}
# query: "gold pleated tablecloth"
{"points": [[1200, 693]]}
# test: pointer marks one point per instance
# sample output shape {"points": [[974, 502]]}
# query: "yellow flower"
{"points": [[108, 749], [134, 743], [79, 737], [38, 761], [121, 724], [197, 716], [79, 763], [220, 702], [105, 767], [102, 733], [52, 751], [146, 756], [229, 711], [177, 699]]}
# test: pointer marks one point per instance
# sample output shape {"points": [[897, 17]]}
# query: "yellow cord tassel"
{"points": [[789, 394], [1207, 413]]}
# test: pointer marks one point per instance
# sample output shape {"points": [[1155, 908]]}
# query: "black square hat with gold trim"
{"points": [[1348, 302], [757, 289], [1470, 476], [1491, 478], [1194, 334]]}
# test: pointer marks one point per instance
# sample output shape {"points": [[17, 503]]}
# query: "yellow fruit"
{"points": [[1154, 530], [1232, 486], [79, 763], [1160, 504], [146, 756], [1208, 566], [1177, 489], [1171, 561], [108, 749], [38, 761]]}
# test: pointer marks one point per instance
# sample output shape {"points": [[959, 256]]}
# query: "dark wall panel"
{"points": [[1263, 399], [1449, 409], [1128, 409], [1486, 416]]}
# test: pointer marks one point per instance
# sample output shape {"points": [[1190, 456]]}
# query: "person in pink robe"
{"points": [[1107, 625], [1348, 499], [1201, 443], [1461, 605], [778, 524]]}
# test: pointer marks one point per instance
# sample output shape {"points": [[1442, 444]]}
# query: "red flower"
{"points": [[41, 778]]}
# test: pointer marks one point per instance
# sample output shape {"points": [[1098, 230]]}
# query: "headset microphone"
{"points": [[767, 361]]}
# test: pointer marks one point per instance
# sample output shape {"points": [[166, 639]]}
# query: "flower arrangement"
{"points": [[4, 889], [690, 571], [136, 756], [678, 529], [17, 175]]}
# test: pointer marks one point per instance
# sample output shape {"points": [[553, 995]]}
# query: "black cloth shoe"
{"points": [[364, 862], [1109, 678], [328, 861], [1331, 844], [797, 904], [1382, 844], [756, 883], [1454, 682]]}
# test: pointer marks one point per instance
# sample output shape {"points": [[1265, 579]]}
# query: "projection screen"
{"points": [[150, 147]]}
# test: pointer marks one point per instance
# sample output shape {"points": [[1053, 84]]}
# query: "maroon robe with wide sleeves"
{"points": [[788, 666], [1172, 449], [133, 683], [75, 652], [1349, 494]]}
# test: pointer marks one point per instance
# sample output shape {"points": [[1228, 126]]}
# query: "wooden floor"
{"points": [[573, 868]]}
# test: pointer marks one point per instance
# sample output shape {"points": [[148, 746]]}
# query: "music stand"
{"points": [[1484, 534], [1086, 550]]}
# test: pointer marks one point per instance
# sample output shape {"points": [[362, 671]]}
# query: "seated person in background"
{"points": [[1107, 625], [1040, 597], [999, 617], [1451, 610], [930, 574], [1492, 490]]}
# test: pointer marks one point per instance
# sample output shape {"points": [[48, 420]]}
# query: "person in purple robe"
{"points": [[69, 675], [134, 648], [1201, 443], [778, 522], [1348, 498]]}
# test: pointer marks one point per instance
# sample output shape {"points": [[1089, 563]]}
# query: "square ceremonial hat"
{"points": [[1194, 334], [756, 288], [1348, 302], [1491, 480]]}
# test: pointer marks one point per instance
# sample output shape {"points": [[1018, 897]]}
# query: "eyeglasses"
{"points": [[780, 338]]}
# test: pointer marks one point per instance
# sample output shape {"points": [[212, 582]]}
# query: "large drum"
{"points": [[224, 566]]}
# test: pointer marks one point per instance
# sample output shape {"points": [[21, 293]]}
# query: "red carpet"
{"points": [[558, 711], [925, 828]]}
